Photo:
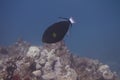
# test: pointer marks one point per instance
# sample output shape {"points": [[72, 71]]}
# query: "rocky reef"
{"points": [[23, 61]]}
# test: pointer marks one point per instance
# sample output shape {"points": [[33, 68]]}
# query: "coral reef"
{"points": [[23, 61]]}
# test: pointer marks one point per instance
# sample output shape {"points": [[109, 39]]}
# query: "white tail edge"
{"points": [[71, 20]]}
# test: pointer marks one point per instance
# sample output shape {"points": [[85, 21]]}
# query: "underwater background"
{"points": [[96, 33]]}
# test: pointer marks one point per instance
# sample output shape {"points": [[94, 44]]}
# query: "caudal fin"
{"points": [[71, 20]]}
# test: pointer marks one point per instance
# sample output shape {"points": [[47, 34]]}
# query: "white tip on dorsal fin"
{"points": [[71, 20]]}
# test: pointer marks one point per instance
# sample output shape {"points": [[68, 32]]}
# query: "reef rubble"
{"points": [[23, 61]]}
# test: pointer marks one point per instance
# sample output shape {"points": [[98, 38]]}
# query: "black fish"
{"points": [[56, 31]]}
